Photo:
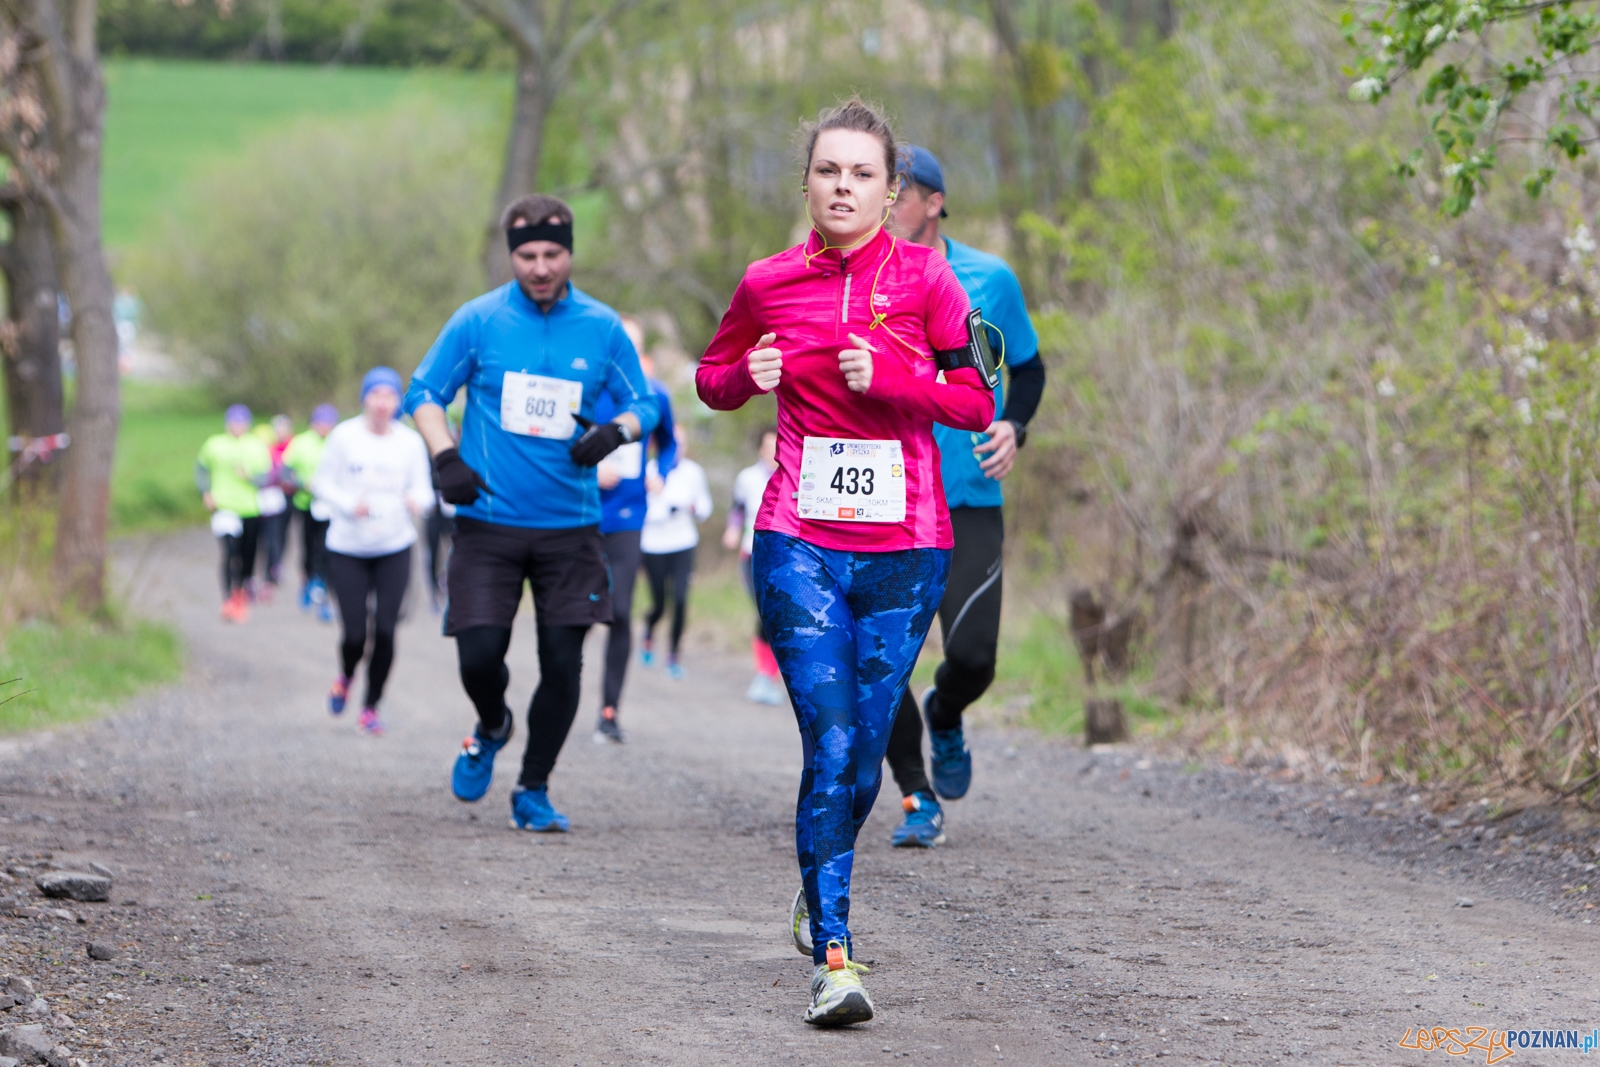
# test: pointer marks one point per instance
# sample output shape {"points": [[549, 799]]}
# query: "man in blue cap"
{"points": [[534, 355], [973, 466]]}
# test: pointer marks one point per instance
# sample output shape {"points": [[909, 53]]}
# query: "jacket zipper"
{"points": [[844, 305]]}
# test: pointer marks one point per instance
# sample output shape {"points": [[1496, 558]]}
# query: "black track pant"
{"points": [[670, 571], [969, 618], [482, 651], [353, 579], [622, 553], [274, 536], [438, 526], [313, 545], [239, 556]]}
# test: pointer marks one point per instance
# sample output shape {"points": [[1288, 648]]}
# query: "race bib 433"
{"points": [[536, 406], [842, 480]]}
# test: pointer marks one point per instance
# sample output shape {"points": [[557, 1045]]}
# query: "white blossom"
{"points": [[1386, 386], [1580, 244], [1433, 36], [1524, 409], [1366, 89]]}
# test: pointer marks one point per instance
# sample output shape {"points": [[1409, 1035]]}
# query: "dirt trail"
{"points": [[306, 895]]}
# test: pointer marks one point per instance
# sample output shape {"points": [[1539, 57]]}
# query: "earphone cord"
{"points": [[826, 247]]}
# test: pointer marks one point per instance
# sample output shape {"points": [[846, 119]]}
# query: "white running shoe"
{"points": [[837, 996], [764, 690], [800, 923]]}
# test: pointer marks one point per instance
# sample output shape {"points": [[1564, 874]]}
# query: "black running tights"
{"points": [[670, 569], [239, 556], [353, 579], [969, 616], [482, 654], [622, 553]]}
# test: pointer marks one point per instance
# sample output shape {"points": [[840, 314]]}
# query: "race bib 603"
{"points": [[536, 406]]}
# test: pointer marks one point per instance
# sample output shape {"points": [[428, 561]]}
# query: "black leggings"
{"points": [[353, 579], [673, 567], [482, 654], [239, 556], [274, 536], [622, 554], [438, 526], [313, 545], [969, 618]]}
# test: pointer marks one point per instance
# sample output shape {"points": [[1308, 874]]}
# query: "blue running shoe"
{"points": [[674, 670], [952, 762], [338, 693], [531, 810], [305, 597], [924, 825], [647, 655], [474, 768]]}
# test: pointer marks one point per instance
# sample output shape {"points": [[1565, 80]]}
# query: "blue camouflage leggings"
{"points": [[846, 628]]}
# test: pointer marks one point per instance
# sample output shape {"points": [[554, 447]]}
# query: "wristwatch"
{"points": [[1022, 431], [627, 433]]}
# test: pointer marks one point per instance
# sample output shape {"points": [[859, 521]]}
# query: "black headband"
{"points": [[559, 232]]}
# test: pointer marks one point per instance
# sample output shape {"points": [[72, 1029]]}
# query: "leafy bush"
{"points": [[322, 251]]}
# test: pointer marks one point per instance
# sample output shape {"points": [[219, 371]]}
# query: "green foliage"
{"points": [[1481, 58], [321, 252], [60, 673]]}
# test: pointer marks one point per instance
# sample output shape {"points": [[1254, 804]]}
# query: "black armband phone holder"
{"points": [[976, 355]]}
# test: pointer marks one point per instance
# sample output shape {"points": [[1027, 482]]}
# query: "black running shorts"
{"points": [[566, 568]]}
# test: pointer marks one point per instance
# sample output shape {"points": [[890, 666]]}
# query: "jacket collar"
{"points": [[830, 259]]}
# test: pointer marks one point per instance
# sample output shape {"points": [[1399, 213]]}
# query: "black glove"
{"points": [[599, 440], [456, 482]]}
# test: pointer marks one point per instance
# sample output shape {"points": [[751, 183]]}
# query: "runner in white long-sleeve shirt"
{"points": [[375, 479], [671, 533]]}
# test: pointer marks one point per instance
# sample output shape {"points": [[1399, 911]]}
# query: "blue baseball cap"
{"points": [[378, 376], [922, 167]]}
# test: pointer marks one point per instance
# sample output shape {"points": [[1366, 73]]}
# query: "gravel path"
{"points": [[288, 892]]}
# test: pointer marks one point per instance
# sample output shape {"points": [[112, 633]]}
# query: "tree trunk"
{"points": [[30, 338], [524, 150], [80, 558]]}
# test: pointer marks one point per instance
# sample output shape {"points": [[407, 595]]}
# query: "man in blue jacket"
{"points": [[623, 501], [973, 465], [535, 356]]}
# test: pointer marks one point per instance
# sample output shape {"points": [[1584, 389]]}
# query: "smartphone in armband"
{"points": [[976, 355]]}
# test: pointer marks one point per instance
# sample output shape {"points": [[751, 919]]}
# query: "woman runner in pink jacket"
{"points": [[852, 543]]}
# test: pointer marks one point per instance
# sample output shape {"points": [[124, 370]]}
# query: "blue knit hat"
{"points": [[382, 376], [324, 415], [236, 413]]}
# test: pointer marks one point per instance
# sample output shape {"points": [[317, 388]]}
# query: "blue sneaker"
{"points": [[338, 693], [531, 810], [924, 825], [305, 597], [647, 655], [474, 768], [674, 670], [952, 762]]}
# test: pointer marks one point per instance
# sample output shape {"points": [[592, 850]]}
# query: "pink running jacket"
{"points": [[813, 310]]}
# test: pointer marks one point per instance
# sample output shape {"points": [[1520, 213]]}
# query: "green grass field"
{"points": [[54, 674], [163, 427], [167, 119]]}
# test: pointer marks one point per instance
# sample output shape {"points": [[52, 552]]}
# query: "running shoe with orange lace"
{"points": [[474, 768], [338, 693], [837, 996], [606, 729]]}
